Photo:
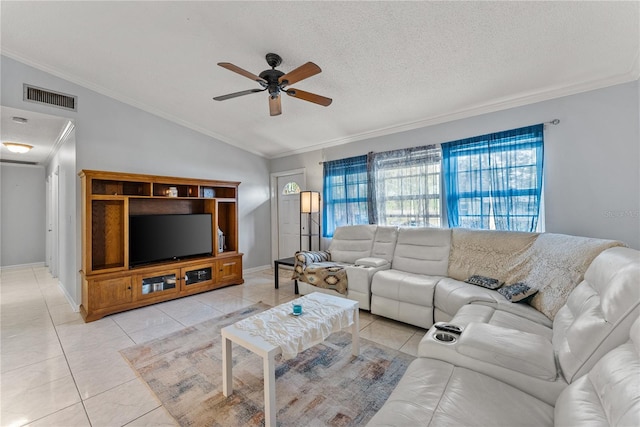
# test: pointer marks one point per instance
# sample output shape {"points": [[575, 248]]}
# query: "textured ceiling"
{"points": [[388, 66]]}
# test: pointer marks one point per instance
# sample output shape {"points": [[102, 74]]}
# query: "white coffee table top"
{"points": [[322, 315]]}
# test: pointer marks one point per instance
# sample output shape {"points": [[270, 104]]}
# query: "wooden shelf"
{"points": [[109, 198]]}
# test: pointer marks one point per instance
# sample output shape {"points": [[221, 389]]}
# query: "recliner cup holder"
{"points": [[445, 337]]}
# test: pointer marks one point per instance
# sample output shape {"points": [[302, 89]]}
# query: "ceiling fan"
{"points": [[276, 82]]}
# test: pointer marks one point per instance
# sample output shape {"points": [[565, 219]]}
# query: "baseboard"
{"points": [[21, 266], [74, 306]]}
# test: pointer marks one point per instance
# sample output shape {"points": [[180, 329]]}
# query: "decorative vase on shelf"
{"points": [[171, 192]]}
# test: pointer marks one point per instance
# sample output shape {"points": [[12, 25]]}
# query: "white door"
{"points": [[53, 224], [49, 226], [288, 188]]}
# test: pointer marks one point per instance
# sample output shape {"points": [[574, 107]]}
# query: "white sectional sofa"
{"points": [[437, 393], [511, 363], [360, 250]]}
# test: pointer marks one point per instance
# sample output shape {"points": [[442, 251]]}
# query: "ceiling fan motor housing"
{"points": [[272, 76]]}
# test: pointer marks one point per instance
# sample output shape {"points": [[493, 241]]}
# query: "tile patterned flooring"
{"points": [[56, 370]]}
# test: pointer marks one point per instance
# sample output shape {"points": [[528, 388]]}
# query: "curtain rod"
{"points": [[550, 122]]}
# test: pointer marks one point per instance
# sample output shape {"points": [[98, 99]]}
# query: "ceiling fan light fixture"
{"points": [[16, 147]]}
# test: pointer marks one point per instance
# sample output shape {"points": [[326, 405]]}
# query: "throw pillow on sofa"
{"points": [[485, 282], [518, 292]]}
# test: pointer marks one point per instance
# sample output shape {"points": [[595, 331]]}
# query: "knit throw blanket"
{"points": [[554, 264]]}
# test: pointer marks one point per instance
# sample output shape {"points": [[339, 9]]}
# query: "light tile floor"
{"points": [[56, 370]]}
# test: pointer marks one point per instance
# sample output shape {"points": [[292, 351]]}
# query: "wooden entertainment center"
{"points": [[109, 284]]}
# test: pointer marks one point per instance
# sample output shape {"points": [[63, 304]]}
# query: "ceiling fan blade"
{"points": [[308, 96], [302, 72], [229, 66], [236, 94], [275, 106]]}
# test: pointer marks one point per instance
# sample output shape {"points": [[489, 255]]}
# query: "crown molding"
{"points": [[490, 107], [126, 100]]}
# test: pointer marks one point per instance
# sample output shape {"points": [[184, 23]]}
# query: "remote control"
{"points": [[448, 328]]}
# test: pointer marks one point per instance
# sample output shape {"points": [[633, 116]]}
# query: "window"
{"points": [[290, 188], [407, 187], [345, 193], [495, 181]]}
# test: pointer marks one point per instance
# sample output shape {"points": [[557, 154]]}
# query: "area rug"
{"points": [[323, 386]]}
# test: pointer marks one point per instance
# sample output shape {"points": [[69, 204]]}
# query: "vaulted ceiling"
{"points": [[388, 66]]}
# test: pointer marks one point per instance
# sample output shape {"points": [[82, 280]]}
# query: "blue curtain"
{"points": [[495, 180], [345, 193]]}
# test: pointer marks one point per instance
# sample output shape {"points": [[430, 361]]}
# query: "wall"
{"points": [[64, 164], [114, 136], [22, 214], [592, 158]]}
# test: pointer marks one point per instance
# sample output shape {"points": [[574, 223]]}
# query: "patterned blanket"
{"points": [[317, 269]]}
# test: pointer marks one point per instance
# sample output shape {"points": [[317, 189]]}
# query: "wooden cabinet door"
{"points": [[106, 293], [157, 284], [229, 270], [198, 277]]}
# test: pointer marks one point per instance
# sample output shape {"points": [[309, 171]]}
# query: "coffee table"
{"points": [[334, 313]]}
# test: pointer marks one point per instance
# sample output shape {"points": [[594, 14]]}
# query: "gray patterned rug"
{"points": [[323, 386]]}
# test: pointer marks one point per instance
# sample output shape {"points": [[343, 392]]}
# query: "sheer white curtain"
{"points": [[405, 187]]}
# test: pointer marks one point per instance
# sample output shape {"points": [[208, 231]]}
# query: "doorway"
{"points": [[285, 212]]}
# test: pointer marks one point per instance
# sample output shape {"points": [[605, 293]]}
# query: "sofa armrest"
{"points": [[371, 262], [523, 352], [305, 258], [360, 276]]}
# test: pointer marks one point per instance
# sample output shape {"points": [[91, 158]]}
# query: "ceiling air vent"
{"points": [[49, 97]]}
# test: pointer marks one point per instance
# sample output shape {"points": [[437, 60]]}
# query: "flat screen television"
{"points": [[155, 238]]}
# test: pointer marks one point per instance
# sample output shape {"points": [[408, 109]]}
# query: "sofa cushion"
{"points": [[524, 352], [406, 287], [352, 242], [599, 312], [384, 243], [422, 251], [403, 296], [437, 393], [609, 394], [518, 292], [478, 313]]}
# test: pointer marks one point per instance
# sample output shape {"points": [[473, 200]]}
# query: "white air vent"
{"points": [[49, 97], [18, 162]]}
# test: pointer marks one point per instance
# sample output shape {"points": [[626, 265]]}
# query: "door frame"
{"points": [[274, 204]]}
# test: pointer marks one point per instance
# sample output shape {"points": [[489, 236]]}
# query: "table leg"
{"points": [[275, 273], [227, 367], [355, 333], [269, 390]]}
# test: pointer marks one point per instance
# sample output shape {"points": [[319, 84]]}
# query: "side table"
{"points": [[284, 261]]}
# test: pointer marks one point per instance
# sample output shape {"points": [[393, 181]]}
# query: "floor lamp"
{"points": [[309, 206]]}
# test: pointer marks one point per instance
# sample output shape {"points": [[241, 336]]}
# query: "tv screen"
{"points": [[155, 238]]}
